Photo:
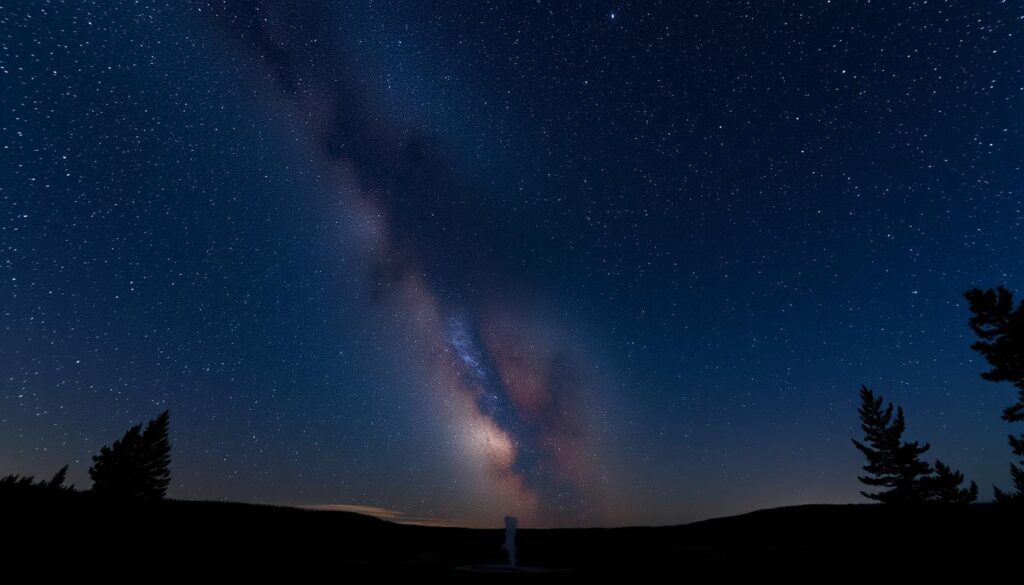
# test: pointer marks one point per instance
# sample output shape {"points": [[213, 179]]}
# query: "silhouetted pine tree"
{"points": [[944, 486], [136, 465], [116, 471], [57, 481], [157, 446], [892, 463], [17, 483], [1000, 331]]}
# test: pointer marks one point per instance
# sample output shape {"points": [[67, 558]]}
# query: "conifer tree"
{"points": [[135, 466], [944, 486], [28, 484], [157, 446], [1000, 331], [892, 463]]}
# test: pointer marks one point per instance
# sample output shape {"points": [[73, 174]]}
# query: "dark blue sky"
{"points": [[589, 263]]}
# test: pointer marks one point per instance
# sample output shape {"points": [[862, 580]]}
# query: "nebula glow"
{"points": [[512, 389], [468, 259]]}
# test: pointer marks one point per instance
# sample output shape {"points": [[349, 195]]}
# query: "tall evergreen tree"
{"points": [[1000, 331], [892, 463], [157, 445], [135, 466], [116, 471]]}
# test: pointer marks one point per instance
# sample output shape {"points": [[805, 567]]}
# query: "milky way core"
{"points": [[511, 385], [582, 263]]}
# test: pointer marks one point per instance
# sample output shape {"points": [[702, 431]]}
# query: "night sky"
{"points": [[589, 263]]}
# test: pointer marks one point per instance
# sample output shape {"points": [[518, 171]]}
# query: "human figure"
{"points": [[511, 522]]}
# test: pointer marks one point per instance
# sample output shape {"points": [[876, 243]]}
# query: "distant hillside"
{"points": [[244, 539]]}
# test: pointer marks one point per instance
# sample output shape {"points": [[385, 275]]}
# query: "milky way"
{"points": [[515, 397], [586, 263]]}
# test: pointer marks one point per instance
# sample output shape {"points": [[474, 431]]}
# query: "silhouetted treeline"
{"points": [[896, 465], [27, 484], [135, 467]]}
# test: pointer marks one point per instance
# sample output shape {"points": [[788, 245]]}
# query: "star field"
{"points": [[589, 263]]}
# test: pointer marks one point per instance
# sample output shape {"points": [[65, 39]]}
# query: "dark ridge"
{"points": [[258, 540]]}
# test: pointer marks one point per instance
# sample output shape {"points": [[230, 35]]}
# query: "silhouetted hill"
{"points": [[230, 539]]}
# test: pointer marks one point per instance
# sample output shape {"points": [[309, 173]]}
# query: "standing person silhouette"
{"points": [[511, 522]]}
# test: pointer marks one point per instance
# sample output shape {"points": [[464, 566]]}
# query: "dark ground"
{"points": [[171, 540]]}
